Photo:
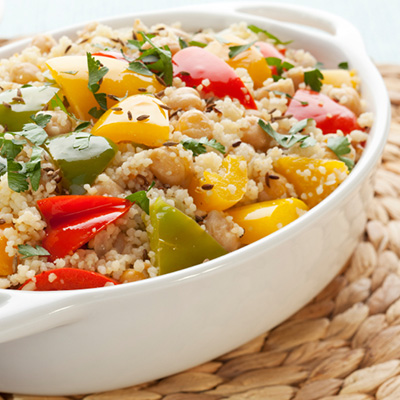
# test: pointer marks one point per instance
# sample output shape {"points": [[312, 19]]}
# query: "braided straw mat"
{"points": [[344, 345]]}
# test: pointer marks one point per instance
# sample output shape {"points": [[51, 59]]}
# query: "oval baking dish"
{"points": [[60, 343]]}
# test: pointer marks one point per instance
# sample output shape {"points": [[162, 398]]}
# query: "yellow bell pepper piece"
{"points": [[256, 65], [220, 191], [71, 74], [139, 118], [337, 77], [313, 179], [262, 219], [6, 262]]}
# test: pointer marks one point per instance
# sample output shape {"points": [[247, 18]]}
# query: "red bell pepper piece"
{"points": [[67, 279], [194, 64], [328, 114], [111, 54], [73, 220]]}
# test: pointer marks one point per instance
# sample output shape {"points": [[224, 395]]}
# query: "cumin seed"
{"points": [[165, 107], [198, 218], [129, 115], [83, 40], [142, 117], [1, 88], [272, 111], [18, 99], [134, 36], [207, 186], [169, 144], [184, 73], [45, 107], [116, 108], [160, 94], [217, 111], [2, 221], [19, 93], [160, 80], [142, 89], [6, 105], [268, 177], [68, 48], [236, 144], [175, 112]]}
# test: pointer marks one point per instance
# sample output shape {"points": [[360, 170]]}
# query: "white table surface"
{"points": [[377, 20]]}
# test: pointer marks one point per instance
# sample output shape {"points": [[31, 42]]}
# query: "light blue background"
{"points": [[377, 20]]}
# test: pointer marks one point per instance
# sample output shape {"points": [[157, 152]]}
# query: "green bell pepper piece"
{"points": [[80, 166], [18, 113], [177, 240]]}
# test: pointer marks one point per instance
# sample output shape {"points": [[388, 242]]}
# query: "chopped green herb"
{"points": [[141, 199], [280, 66], [196, 43], [29, 251], [340, 145], [303, 103], [96, 113], [96, 74], [313, 79], [33, 167], [34, 133], [199, 146], [82, 126], [256, 29], [82, 140], [57, 102], [182, 43], [17, 179], [140, 68], [343, 65], [41, 119], [235, 50], [293, 137]]}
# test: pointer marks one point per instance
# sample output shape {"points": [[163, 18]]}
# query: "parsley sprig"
{"points": [[340, 145], [279, 65], [198, 147], [292, 137], [314, 79], [156, 59], [21, 173], [140, 198], [96, 71], [256, 29], [29, 251]]}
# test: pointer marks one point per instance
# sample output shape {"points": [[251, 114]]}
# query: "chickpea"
{"points": [[44, 43], [283, 85], [221, 230], [296, 74], [195, 124], [169, 168], [348, 97], [24, 73], [60, 123], [274, 188], [131, 275], [185, 98], [254, 135]]}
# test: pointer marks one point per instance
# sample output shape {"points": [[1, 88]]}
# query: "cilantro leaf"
{"points": [[56, 102], [34, 133], [140, 198], [340, 145], [256, 29], [33, 167], [343, 65], [82, 140], [199, 146], [313, 79], [16, 180], [3, 166], [196, 43], [96, 73], [182, 43], [41, 119], [96, 113], [82, 126], [10, 149], [292, 138], [235, 50], [101, 99], [29, 251], [140, 68], [279, 64]]}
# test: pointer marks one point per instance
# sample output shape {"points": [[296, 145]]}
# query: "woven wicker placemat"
{"points": [[344, 345]]}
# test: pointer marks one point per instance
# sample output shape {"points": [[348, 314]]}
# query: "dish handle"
{"points": [[341, 30], [25, 314]]}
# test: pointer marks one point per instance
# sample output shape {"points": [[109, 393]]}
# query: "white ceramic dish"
{"points": [[101, 339]]}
